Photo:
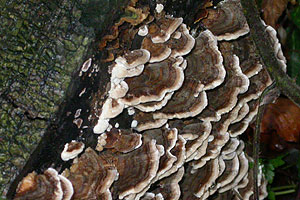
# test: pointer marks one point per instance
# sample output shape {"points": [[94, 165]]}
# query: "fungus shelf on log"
{"points": [[192, 96]]}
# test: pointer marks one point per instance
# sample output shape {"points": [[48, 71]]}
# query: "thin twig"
{"points": [[256, 138], [263, 43]]}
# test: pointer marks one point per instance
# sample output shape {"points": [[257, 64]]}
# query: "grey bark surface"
{"points": [[43, 44]]}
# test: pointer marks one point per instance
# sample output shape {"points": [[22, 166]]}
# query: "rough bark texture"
{"points": [[43, 43]]}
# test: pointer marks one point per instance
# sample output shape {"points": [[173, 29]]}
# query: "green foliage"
{"points": [[271, 193], [251, 165], [296, 16], [270, 165], [294, 46], [294, 55]]}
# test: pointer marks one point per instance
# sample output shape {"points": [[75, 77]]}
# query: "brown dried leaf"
{"points": [[272, 10], [282, 117]]}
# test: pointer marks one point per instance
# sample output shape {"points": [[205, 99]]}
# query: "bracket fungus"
{"points": [[71, 150], [188, 98]]}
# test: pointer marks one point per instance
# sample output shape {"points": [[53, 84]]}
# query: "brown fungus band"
{"points": [[189, 99]]}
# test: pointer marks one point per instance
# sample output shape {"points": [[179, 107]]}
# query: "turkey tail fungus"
{"points": [[190, 92]]}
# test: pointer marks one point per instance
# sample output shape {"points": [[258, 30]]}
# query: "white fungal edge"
{"points": [[68, 184], [243, 170], [245, 122], [159, 97], [134, 123], [155, 164], [159, 8], [232, 173], [238, 90], [85, 66], [233, 145], [65, 155], [277, 47], [144, 59], [211, 179], [168, 32], [151, 125], [101, 126], [189, 113], [213, 44], [118, 88], [130, 110], [58, 193], [143, 30], [188, 47], [120, 71], [108, 111], [232, 36], [157, 106]]}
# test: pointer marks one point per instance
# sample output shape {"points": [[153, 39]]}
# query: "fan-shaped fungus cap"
{"points": [[227, 21], [91, 176], [146, 121], [231, 171], [186, 102], [156, 80], [39, 187], [169, 187], [238, 128], [158, 51], [245, 49], [164, 27], [200, 130], [167, 138], [225, 98], [205, 62], [243, 170], [143, 30], [179, 152], [71, 150], [120, 71], [101, 126], [134, 58], [196, 184], [277, 47], [111, 108], [118, 88], [183, 45], [120, 140], [155, 105], [230, 146], [136, 169]]}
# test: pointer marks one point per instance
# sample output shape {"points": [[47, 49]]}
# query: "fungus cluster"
{"points": [[190, 99]]}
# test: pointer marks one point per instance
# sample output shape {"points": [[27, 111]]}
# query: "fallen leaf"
{"points": [[272, 10], [282, 118]]}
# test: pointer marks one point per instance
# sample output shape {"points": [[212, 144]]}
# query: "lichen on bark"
{"points": [[42, 44]]}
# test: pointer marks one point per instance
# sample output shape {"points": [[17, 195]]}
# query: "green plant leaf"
{"points": [[294, 55], [296, 16], [270, 165], [271, 195], [277, 162]]}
